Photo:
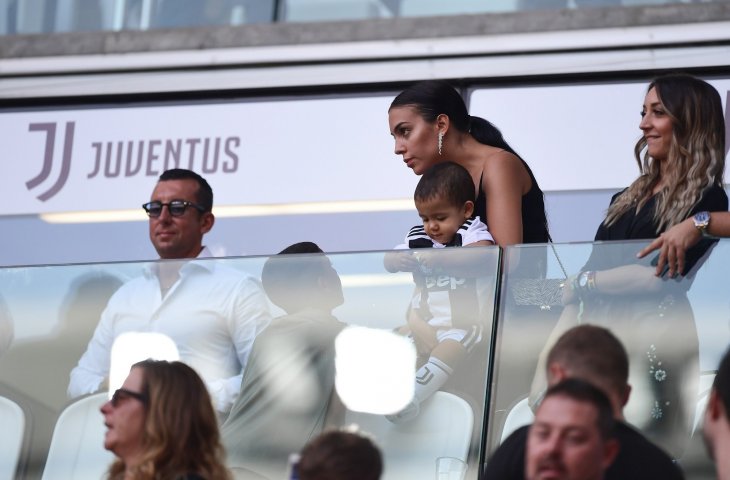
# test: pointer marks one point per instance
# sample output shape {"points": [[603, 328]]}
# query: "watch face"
{"points": [[582, 280], [701, 219]]}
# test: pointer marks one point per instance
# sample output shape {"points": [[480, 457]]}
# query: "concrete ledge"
{"points": [[279, 34]]}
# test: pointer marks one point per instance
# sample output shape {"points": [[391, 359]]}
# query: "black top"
{"points": [[637, 459], [533, 261], [634, 225], [534, 221]]}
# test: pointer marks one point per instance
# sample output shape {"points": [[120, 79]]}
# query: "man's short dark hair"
{"points": [[721, 384], [594, 354], [291, 282], [337, 455], [449, 181], [582, 391], [204, 195]]}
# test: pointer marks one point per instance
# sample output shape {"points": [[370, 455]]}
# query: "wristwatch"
{"points": [[702, 221]]}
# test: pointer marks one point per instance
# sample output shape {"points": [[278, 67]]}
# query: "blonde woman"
{"points": [[161, 425], [681, 156]]}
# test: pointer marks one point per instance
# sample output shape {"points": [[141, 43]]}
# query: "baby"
{"points": [[443, 314]]}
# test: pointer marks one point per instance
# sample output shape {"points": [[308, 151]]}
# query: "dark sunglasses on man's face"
{"points": [[176, 208], [122, 394]]}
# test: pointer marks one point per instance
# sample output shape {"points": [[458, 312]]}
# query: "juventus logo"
{"points": [[50, 129]]}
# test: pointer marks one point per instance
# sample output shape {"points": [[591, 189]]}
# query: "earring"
{"points": [[441, 141]]}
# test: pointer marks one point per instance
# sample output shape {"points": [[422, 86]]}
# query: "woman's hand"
{"points": [[570, 295], [673, 245]]}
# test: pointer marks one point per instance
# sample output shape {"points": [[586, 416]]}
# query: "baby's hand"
{"points": [[400, 262]]}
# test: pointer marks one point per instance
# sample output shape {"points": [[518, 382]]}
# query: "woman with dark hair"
{"points": [[430, 124], [681, 156], [161, 425]]}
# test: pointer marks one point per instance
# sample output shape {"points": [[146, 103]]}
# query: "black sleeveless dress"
{"points": [[533, 261]]}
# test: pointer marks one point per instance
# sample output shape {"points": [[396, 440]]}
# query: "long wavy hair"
{"points": [[696, 157], [181, 429]]}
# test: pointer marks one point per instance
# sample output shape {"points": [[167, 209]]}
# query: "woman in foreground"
{"points": [[161, 425]]}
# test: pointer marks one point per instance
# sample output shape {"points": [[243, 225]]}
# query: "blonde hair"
{"points": [[181, 428], [696, 153]]}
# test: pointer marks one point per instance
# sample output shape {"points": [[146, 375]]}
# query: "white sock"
{"points": [[430, 377]]}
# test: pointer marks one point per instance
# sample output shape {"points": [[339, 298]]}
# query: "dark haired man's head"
{"points": [[716, 425], [584, 391], [301, 247], [593, 354], [338, 455], [204, 195], [300, 277], [447, 181], [572, 436], [181, 235]]}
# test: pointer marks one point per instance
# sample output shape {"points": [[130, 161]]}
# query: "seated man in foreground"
{"points": [[572, 436], [288, 393], [716, 426], [593, 354]]}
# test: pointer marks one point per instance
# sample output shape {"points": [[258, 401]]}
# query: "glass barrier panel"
{"points": [[674, 330], [327, 341]]}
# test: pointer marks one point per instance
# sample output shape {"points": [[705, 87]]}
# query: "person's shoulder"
{"points": [[638, 454], [223, 271], [416, 231], [716, 195], [507, 462], [518, 436], [500, 160], [618, 194], [503, 169]]}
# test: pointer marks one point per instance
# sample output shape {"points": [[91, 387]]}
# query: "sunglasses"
{"points": [[176, 208], [123, 394]]}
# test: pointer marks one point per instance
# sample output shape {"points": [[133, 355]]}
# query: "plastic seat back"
{"points": [[77, 447], [443, 428], [12, 419]]}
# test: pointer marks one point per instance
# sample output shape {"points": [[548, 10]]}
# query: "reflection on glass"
{"points": [[288, 393], [55, 311], [673, 338], [383, 384]]}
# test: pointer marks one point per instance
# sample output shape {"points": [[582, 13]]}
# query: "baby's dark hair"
{"points": [[447, 180]]}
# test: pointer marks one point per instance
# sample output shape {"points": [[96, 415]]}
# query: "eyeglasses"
{"points": [[176, 208], [122, 393]]}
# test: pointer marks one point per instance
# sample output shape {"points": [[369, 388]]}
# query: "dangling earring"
{"points": [[441, 141]]}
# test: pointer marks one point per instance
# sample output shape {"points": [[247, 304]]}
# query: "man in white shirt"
{"points": [[212, 313]]}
